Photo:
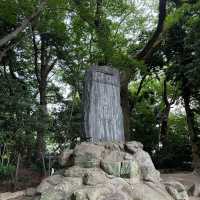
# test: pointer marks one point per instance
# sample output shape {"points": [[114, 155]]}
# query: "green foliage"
{"points": [[144, 127], [77, 35], [67, 123], [7, 171], [145, 115], [177, 15], [177, 154]]}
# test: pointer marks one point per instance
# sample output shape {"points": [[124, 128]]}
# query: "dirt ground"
{"points": [[27, 178]]}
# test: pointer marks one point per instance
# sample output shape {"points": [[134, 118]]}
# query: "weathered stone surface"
{"points": [[95, 178], [121, 175], [114, 156], [76, 171], [53, 195], [49, 183], [194, 190], [143, 191], [12, 195], [103, 118], [128, 156], [100, 192], [44, 186], [55, 179], [111, 162], [129, 169], [114, 146], [176, 190], [119, 183], [177, 185], [133, 146], [30, 192], [37, 197], [111, 167], [68, 185], [65, 158], [107, 191], [88, 155], [148, 171]]}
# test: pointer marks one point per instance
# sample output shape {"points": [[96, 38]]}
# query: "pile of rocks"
{"points": [[108, 171]]}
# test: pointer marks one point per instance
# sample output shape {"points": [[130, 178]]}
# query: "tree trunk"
{"points": [[164, 127], [195, 141], [40, 143], [165, 115], [125, 104]]}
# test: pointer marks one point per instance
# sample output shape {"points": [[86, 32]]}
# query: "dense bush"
{"points": [[7, 171], [177, 153]]}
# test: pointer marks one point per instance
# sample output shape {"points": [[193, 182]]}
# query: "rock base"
{"points": [[107, 171]]}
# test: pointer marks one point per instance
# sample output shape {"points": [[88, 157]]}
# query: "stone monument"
{"points": [[106, 168], [103, 120]]}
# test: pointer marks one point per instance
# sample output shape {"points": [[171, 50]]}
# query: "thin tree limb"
{"points": [[174, 97], [35, 48], [147, 50], [5, 50], [23, 25], [141, 84], [165, 93], [50, 67], [120, 23]]}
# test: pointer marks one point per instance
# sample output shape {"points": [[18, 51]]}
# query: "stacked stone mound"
{"points": [[107, 171]]}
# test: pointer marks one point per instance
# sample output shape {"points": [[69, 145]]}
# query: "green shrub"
{"points": [[7, 171]]}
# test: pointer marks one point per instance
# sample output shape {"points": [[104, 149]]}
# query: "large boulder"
{"points": [[12, 196], [150, 191], [109, 171], [148, 171], [88, 155], [53, 195], [194, 190], [111, 167], [66, 158], [49, 183], [133, 146], [129, 169], [176, 190], [93, 178]]}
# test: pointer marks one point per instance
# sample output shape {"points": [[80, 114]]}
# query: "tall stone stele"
{"points": [[103, 119]]}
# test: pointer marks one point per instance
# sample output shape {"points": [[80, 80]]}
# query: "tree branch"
{"points": [[120, 23], [165, 93], [97, 20], [8, 81], [5, 50], [155, 39], [82, 13], [141, 84], [23, 25], [35, 48], [51, 66], [174, 97]]}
